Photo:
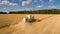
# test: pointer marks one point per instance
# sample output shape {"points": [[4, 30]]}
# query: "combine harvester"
{"points": [[29, 18]]}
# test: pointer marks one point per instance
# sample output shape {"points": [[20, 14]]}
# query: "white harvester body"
{"points": [[24, 19]]}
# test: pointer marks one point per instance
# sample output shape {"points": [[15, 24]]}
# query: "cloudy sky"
{"points": [[9, 5]]}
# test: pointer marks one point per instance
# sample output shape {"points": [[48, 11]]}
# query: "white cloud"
{"points": [[51, 0], [39, 6], [51, 7], [13, 4], [4, 2], [29, 0], [25, 3]]}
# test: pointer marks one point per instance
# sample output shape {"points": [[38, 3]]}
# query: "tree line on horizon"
{"points": [[51, 11]]}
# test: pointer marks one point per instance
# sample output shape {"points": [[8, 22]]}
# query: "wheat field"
{"points": [[44, 24]]}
